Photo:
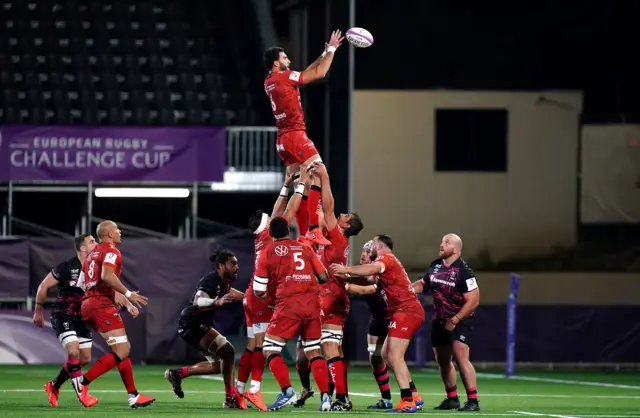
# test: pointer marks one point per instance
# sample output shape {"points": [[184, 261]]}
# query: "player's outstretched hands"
{"points": [[137, 299], [336, 39], [338, 269], [133, 311], [288, 179], [318, 169], [225, 300]]}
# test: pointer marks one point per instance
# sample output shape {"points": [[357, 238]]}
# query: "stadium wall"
{"points": [[563, 318], [527, 210]]}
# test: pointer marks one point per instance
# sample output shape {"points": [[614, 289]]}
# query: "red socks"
{"points": [[452, 392], [257, 365], [472, 393], [346, 381], [126, 373], [302, 216], [337, 374], [73, 367], [103, 365], [280, 371], [244, 366], [320, 374], [183, 372]]}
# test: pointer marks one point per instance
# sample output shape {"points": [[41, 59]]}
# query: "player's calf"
{"points": [[272, 348]]}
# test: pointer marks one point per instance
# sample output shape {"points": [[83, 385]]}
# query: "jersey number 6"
{"points": [[273, 104]]}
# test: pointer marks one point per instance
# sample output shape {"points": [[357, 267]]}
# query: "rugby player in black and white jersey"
{"points": [[66, 319], [456, 295]]}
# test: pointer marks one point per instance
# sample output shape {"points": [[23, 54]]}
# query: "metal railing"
{"points": [[252, 148]]}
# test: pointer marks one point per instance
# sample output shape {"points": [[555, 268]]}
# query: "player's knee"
{"points": [[310, 355], [73, 353]]}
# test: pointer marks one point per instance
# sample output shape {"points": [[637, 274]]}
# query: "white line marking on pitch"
{"points": [[561, 381], [543, 415]]}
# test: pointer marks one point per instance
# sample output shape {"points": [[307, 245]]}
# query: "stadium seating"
{"points": [[115, 62]]}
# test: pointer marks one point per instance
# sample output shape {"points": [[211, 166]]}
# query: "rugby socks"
{"points": [[126, 373], [183, 372], [332, 386], [62, 377], [244, 369], [406, 395], [315, 194], [302, 216], [103, 365], [280, 371], [472, 394], [346, 381], [382, 379], [320, 374], [72, 366], [228, 391], [304, 371], [337, 374], [452, 392], [257, 368], [414, 390]]}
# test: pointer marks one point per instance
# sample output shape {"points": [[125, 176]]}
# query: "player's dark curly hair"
{"points": [[271, 55], [355, 226], [279, 228], [79, 241], [386, 240], [254, 220], [221, 256]]}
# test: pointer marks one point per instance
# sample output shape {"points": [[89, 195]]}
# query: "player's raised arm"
{"points": [[281, 201], [328, 203], [294, 203], [318, 71], [47, 283]]}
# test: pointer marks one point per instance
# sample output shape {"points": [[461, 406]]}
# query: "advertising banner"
{"points": [[111, 153]]}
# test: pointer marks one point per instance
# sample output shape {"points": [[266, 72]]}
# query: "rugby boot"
{"points": [[325, 405], [382, 404], [283, 399], [304, 395], [52, 393], [171, 376], [448, 404], [82, 392], [404, 407], [472, 405], [417, 398], [339, 405], [140, 401], [317, 237], [257, 399]]}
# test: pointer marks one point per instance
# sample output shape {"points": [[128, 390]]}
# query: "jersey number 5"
{"points": [[297, 257]]}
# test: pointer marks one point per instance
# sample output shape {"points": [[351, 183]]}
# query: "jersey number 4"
{"points": [[297, 258]]}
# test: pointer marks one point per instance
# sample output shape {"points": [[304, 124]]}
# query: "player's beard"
{"points": [[283, 67]]}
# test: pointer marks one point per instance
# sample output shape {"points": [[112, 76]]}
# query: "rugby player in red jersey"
{"points": [[281, 86], [294, 268], [100, 279], [334, 300], [379, 318], [257, 311], [407, 314]]}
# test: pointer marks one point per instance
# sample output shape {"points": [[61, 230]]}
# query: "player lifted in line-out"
{"points": [[196, 328], [334, 300], [257, 311], [379, 319], [296, 270], [293, 145], [66, 318], [407, 314], [100, 279], [456, 295]]}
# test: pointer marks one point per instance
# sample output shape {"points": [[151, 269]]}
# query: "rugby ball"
{"points": [[359, 37]]}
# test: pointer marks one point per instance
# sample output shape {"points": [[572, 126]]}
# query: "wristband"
{"points": [[128, 293], [331, 48], [300, 188], [40, 304], [285, 191], [347, 286]]}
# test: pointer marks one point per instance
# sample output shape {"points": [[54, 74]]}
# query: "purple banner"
{"points": [[110, 153]]}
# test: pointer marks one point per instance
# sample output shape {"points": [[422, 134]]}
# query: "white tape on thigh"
{"points": [[250, 332], [311, 345], [217, 344], [260, 327], [85, 343], [117, 340], [272, 345], [212, 359], [67, 337], [332, 336], [375, 349]]}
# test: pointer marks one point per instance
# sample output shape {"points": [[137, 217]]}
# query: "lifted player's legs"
{"points": [[380, 372], [444, 356], [468, 374]]}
